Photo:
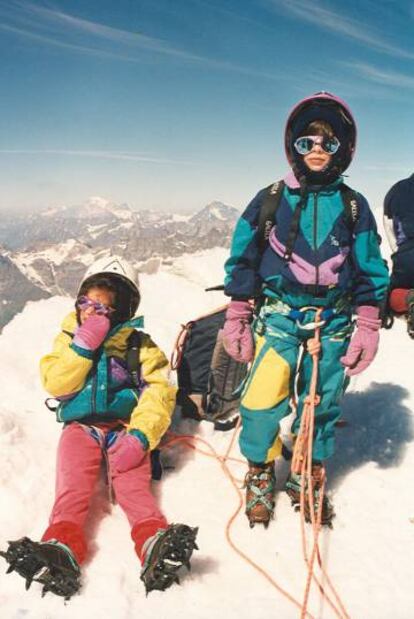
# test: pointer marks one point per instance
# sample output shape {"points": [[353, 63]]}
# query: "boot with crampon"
{"points": [[165, 553], [293, 487], [49, 563], [260, 490]]}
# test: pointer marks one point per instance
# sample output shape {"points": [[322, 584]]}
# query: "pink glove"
{"points": [[127, 453], [364, 342], [91, 333], [313, 346], [237, 334]]}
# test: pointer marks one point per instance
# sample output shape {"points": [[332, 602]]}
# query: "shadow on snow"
{"points": [[379, 428]]}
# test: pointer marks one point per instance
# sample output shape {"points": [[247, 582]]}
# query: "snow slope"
{"points": [[369, 554]]}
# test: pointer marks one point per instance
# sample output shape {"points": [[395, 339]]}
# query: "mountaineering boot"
{"points": [[165, 553], [410, 313], [260, 489], [293, 486], [49, 563]]}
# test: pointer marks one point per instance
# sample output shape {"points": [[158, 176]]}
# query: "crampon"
{"points": [[168, 551], [49, 563], [260, 489], [293, 487]]}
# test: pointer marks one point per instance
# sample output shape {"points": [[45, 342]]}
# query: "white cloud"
{"points": [[337, 23], [95, 154], [108, 33], [59, 43], [380, 76], [43, 24]]}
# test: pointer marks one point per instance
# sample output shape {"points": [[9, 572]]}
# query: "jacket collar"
{"points": [[292, 182]]}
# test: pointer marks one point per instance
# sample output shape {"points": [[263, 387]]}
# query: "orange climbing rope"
{"points": [[301, 464], [187, 440]]}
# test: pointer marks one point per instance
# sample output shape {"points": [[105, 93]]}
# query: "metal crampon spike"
{"points": [[170, 551]]}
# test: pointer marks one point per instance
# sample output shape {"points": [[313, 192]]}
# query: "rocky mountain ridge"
{"points": [[46, 253]]}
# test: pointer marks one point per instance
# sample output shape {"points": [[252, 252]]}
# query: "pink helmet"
{"points": [[327, 107]]}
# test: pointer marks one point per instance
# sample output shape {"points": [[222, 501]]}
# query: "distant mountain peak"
{"points": [[216, 211], [97, 202]]}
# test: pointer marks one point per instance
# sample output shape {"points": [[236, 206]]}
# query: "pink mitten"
{"points": [[127, 453], [364, 342], [313, 346], [91, 333], [237, 334]]}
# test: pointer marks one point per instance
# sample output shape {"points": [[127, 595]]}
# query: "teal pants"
{"points": [[275, 377]]}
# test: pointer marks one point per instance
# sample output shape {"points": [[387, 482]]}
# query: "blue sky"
{"points": [[169, 104]]}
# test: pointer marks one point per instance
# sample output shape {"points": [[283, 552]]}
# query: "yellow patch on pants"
{"points": [[269, 384], [275, 450]]}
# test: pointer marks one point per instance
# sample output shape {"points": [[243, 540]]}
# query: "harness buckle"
{"points": [[298, 316], [310, 326]]}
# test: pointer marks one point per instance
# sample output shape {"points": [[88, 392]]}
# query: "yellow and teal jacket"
{"points": [[96, 384]]}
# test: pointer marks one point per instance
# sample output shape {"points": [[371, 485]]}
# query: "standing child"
{"points": [[323, 253], [399, 228], [115, 409]]}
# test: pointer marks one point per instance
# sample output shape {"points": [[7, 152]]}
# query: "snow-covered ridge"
{"points": [[52, 249], [53, 254], [96, 205]]}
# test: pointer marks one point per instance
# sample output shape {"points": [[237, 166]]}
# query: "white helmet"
{"points": [[124, 274]]}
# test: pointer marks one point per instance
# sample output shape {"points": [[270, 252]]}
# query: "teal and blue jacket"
{"points": [[331, 260]]}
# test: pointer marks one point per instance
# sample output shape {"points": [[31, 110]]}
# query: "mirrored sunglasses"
{"points": [[84, 303], [305, 144]]}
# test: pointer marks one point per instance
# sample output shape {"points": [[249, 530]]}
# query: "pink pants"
{"points": [[79, 460]]}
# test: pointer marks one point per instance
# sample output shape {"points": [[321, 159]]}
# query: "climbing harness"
{"points": [[297, 315]]}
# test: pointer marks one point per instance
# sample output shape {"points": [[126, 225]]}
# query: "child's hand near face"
{"points": [[95, 324], [92, 332]]}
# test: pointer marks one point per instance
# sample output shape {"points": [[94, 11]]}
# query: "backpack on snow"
{"points": [[209, 380]]}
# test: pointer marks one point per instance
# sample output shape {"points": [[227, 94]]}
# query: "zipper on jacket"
{"points": [[315, 239], [94, 386]]}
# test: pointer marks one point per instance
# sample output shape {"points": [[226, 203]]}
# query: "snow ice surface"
{"points": [[369, 554]]}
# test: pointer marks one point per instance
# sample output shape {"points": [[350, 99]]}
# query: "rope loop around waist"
{"points": [[298, 314]]}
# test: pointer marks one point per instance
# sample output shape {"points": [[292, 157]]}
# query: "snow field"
{"points": [[369, 553]]}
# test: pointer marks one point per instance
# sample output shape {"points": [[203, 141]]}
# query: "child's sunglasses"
{"points": [[84, 303], [305, 144]]}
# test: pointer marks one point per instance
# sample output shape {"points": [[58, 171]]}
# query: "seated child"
{"points": [[111, 416]]}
